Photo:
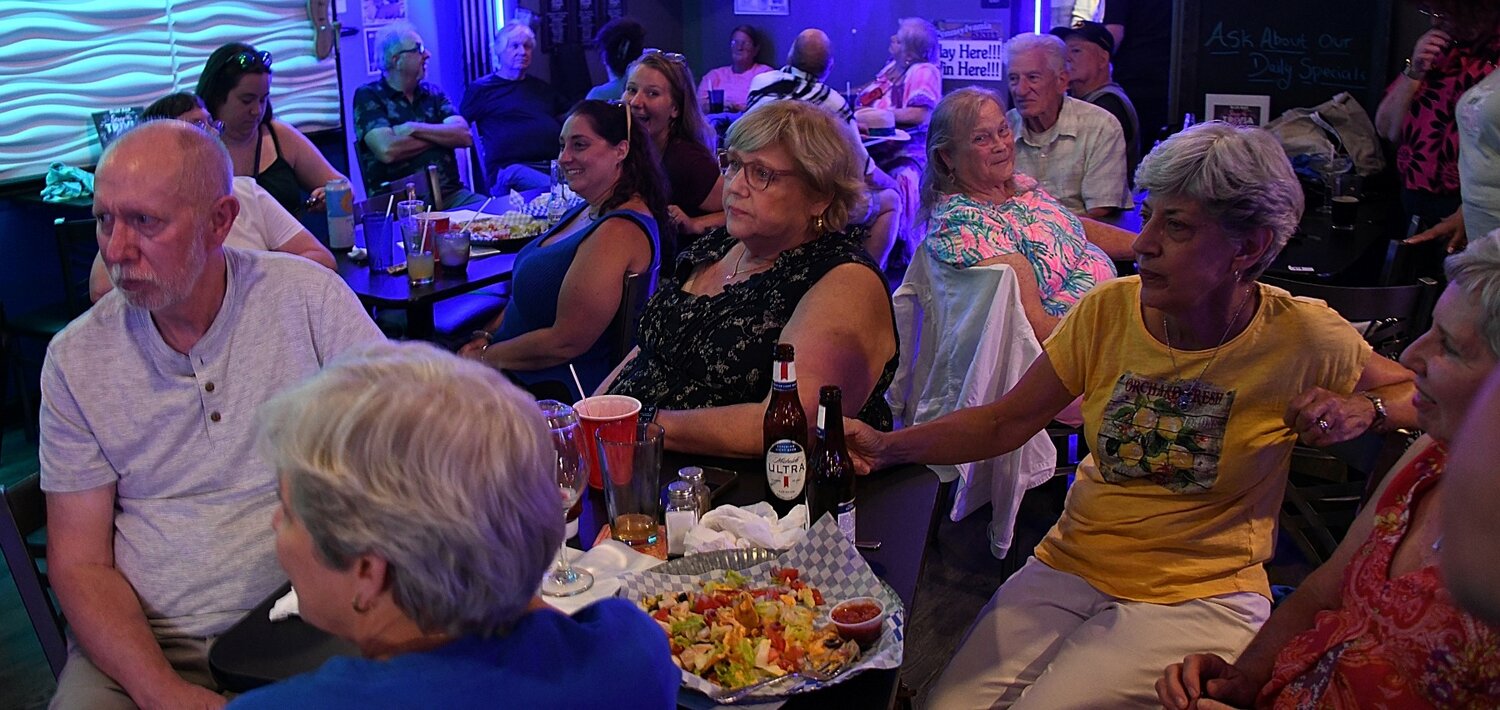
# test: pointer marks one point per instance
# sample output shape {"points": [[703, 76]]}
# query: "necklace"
{"points": [[1185, 397], [740, 261]]}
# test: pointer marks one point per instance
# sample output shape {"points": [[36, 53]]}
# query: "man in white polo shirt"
{"points": [[158, 508], [1075, 149]]}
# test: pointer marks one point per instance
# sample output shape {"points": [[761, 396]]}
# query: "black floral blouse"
{"points": [[712, 351]]}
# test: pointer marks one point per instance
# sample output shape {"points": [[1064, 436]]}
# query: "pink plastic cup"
{"points": [[613, 414]]}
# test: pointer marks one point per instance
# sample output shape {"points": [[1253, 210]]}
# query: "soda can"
{"points": [[340, 200]]}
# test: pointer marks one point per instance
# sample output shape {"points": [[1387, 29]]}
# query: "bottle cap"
{"points": [[690, 474], [680, 491]]}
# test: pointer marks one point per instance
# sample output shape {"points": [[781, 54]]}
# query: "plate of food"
{"points": [[739, 618], [508, 232]]}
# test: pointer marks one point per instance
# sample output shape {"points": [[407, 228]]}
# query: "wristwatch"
{"points": [[1408, 71], [1379, 405], [648, 413]]}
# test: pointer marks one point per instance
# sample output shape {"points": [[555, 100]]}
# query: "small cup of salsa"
{"points": [[859, 620]]}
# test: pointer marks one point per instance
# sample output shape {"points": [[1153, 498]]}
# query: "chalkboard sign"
{"points": [[1297, 53]]}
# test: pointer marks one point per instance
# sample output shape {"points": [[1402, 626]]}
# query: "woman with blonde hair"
{"points": [[786, 267], [979, 211]]}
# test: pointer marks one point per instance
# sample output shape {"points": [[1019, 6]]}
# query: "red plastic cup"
{"points": [[613, 414]]}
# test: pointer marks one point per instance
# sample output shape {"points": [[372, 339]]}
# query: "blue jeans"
{"points": [[520, 178]]}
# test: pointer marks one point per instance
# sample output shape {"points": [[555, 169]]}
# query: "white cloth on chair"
{"points": [[965, 341]]}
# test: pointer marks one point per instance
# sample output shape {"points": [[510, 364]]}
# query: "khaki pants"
{"points": [[1048, 640], [82, 685]]}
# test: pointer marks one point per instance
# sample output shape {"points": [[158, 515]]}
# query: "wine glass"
{"points": [[572, 474], [1330, 166]]}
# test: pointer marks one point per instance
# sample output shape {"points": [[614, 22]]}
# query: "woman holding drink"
{"points": [[419, 512], [1196, 382], [578, 267]]}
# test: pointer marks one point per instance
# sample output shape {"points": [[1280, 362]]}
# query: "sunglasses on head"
{"points": [[623, 107], [669, 56], [247, 59]]}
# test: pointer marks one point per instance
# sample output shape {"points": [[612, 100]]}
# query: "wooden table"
{"points": [[896, 507], [384, 290]]}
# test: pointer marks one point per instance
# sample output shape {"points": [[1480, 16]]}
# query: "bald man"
{"points": [[158, 508], [807, 65]]}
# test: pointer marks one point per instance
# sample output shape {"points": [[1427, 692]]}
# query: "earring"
{"points": [[359, 608], [818, 224]]}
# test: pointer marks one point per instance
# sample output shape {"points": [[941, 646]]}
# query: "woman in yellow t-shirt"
{"points": [[1196, 382]]}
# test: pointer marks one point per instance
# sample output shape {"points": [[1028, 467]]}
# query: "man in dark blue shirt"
{"points": [[516, 114], [402, 124]]}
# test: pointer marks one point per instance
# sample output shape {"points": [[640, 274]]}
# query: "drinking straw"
{"points": [[576, 383], [423, 240], [388, 205], [476, 214]]}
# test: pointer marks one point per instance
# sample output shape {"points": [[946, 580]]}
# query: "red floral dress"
{"points": [[1392, 643]]}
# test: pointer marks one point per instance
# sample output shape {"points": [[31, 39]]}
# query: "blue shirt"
{"points": [[536, 284], [517, 121], [609, 654]]}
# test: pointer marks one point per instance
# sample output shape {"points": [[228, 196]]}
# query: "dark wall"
{"points": [[860, 29]]}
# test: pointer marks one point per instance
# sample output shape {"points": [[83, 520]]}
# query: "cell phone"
{"points": [[718, 480]]}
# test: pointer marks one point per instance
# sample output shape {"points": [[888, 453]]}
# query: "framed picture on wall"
{"points": [[1238, 109], [761, 7]]}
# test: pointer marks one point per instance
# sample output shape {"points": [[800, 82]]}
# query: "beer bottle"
{"points": [[785, 439], [830, 488]]}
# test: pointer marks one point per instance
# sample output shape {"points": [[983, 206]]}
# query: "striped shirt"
{"points": [[790, 82]]}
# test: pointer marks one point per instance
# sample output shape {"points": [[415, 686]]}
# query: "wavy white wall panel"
{"points": [[62, 60]]}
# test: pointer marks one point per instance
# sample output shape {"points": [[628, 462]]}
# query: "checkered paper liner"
{"points": [[537, 208], [825, 560]]}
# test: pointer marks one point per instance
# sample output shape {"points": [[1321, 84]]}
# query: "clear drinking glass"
{"points": [[572, 478], [1330, 166]]}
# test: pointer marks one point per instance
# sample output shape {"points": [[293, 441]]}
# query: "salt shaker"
{"points": [[693, 475], [682, 515]]}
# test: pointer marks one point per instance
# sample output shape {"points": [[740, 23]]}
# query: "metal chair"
{"points": [[1327, 487], [22, 515], [1394, 315]]}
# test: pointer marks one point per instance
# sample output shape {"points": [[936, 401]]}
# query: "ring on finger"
{"points": [[1324, 425]]}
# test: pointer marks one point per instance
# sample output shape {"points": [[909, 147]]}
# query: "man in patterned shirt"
{"points": [[807, 65], [402, 124]]}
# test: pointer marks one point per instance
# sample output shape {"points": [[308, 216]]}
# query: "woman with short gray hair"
{"points": [[419, 511], [1187, 374]]}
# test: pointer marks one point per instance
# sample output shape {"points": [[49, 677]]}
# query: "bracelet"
{"points": [[1379, 405], [1407, 72], [648, 413], [481, 334]]}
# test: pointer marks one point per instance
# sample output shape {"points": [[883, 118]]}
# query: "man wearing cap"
{"points": [[1075, 149], [1090, 48]]}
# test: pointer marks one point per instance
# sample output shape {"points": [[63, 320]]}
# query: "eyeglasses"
{"points": [[669, 56], [419, 49], [759, 175], [210, 125], [740, 44], [247, 59]]}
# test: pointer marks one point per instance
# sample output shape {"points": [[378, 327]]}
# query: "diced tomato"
{"points": [[817, 597], [661, 615], [794, 655], [787, 574]]}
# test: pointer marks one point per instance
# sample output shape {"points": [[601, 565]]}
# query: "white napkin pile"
{"points": [[607, 561], [285, 607], [728, 527]]}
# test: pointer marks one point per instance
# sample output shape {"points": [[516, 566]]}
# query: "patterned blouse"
{"points": [[964, 231], [921, 84], [1391, 643], [712, 351], [1427, 153]]}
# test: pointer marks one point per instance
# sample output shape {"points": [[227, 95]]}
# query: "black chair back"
{"points": [[77, 245], [424, 182], [1397, 315], [622, 330], [23, 511]]}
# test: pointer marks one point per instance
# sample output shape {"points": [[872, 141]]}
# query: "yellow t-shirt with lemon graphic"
{"points": [[1179, 498]]}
